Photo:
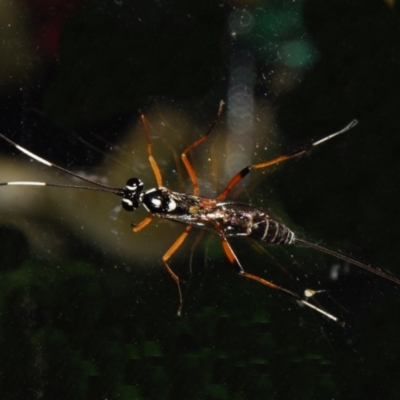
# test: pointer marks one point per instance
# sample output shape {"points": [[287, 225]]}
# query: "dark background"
{"points": [[87, 310]]}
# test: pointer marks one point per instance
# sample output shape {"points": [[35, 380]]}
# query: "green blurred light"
{"points": [[298, 54]]}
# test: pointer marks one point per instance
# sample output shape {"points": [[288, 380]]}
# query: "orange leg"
{"points": [[234, 260], [186, 161], [144, 223], [240, 175], [245, 171], [153, 163], [168, 255], [193, 177]]}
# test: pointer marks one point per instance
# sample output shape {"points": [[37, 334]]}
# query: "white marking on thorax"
{"points": [[156, 202], [171, 205]]}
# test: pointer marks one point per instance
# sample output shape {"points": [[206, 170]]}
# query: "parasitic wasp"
{"points": [[226, 219]]}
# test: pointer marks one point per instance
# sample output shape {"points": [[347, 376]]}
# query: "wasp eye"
{"points": [[128, 205], [134, 184]]}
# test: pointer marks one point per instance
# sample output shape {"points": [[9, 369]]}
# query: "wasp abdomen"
{"points": [[241, 220], [270, 231]]}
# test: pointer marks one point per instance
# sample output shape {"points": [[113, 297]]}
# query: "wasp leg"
{"points": [[153, 162], [245, 171], [143, 224], [234, 260], [168, 255], [185, 160]]}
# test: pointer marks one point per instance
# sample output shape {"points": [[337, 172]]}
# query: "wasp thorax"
{"points": [[131, 197]]}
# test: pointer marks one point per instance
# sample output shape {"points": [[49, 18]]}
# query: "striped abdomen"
{"points": [[242, 220], [270, 231]]}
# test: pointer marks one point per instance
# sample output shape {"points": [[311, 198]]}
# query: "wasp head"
{"points": [[131, 194]]}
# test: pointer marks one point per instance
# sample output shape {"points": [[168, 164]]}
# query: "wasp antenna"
{"points": [[49, 164], [117, 191]]}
